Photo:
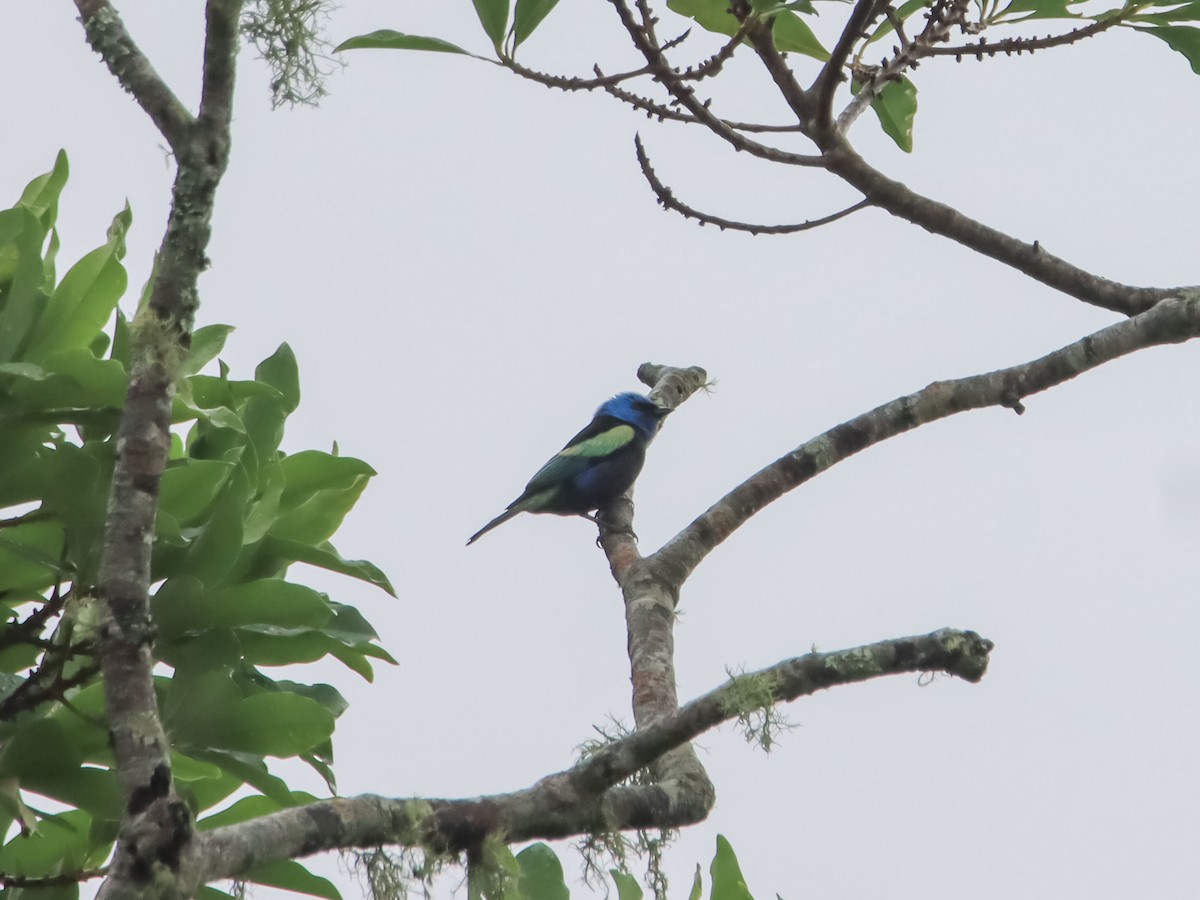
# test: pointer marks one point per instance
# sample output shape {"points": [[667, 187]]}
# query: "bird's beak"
{"points": [[662, 412]]}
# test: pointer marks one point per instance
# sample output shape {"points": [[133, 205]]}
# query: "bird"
{"points": [[596, 466]]}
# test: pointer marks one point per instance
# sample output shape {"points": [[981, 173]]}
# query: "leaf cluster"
{"points": [[536, 874], [235, 514], [891, 91]]}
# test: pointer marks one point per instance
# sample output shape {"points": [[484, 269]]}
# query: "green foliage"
{"points": [[726, 875], [792, 34], [896, 107], [541, 874], [896, 103], [528, 16], [1181, 38], [386, 39], [235, 514], [493, 16]]}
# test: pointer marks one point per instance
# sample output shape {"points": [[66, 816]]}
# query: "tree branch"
{"points": [[1170, 321], [107, 36], [831, 75], [581, 800], [1008, 46], [220, 71], [942, 18], [655, 110], [1028, 258], [571, 83], [661, 69], [156, 824], [667, 200]]}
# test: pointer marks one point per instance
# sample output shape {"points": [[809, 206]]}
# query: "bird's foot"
{"points": [[607, 527]]}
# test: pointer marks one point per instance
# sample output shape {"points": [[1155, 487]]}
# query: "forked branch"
{"points": [[587, 798]]}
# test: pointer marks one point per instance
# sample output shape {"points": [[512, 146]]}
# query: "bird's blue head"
{"points": [[637, 410]]}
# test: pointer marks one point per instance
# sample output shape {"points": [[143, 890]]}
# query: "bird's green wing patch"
{"points": [[551, 475], [580, 455], [602, 444]]}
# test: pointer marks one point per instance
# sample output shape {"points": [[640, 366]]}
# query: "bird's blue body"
{"points": [[596, 466]]}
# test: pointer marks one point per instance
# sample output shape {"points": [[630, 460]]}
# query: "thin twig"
{"points": [[32, 882], [668, 200], [573, 83], [1016, 46], [662, 112], [831, 74], [686, 96], [942, 17], [713, 65]]}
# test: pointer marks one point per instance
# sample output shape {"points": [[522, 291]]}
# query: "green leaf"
{"points": [[184, 768], [250, 769], [207, 342], [120, 340], [265, 602], [14, 807], [263, 511], [712, 15], [541, 874], [697, 885], [291, 876], [1182, 39], [627, 886], [85, 298], [1189, 12], [251, 808], [279, 370], [213, 650], [188, 491], [326, 557], [73, 383], [325, 694], [528, 16], [279, 725], [61, 845], [22, 299], [727, 880], [76, 492], [386, 39], [30, 555], [41, 195], [792, 34], [902, 13], [262, 648], [896, 107], [46, 756], [1023, 10], [212, 555], [493, 16], [320, 490], [322, 769], [353, 659]]}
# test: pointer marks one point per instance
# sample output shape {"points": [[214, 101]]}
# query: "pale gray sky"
{"points": [[467, 264]]}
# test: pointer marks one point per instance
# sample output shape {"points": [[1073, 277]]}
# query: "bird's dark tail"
{"points": [[499, 520]]}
